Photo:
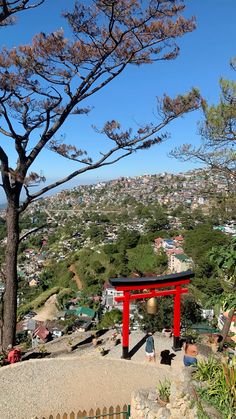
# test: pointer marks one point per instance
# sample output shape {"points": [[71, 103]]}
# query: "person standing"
{"points": [[150, 348]]}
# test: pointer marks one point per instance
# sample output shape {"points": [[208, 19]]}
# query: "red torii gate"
{"points": [[151, 285]]}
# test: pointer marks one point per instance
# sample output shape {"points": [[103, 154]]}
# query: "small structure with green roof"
{"points": [[81, 312]]}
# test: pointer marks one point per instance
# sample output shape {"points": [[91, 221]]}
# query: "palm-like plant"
{"points": [[224, 258]]}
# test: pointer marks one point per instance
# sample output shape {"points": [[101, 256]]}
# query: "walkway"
{"points": [[81, 380]]}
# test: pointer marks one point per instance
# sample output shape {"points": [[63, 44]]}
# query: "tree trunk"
{"points": [[226, 327], [11, 283]]}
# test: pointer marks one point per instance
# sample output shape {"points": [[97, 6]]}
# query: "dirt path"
{"points": [[75, 277], [48, 311]]}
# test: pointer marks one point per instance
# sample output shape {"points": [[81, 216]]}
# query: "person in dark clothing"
{"points": [[150, 348]]}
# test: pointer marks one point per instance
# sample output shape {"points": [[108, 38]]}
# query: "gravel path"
{"points": [[81, 380]]}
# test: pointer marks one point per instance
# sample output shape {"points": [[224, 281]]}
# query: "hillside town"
{"points": [[64, 216], [194, 189], [112, 197]]}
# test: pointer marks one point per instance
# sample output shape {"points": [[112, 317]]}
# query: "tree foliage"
{"points": [[159, 220], [127, 239], [110, 319], [190, 313], [201, 239], [143, 259], [218, 134], [9, 8]]}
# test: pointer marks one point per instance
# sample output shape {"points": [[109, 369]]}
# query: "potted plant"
{"points": [[164, 392]]}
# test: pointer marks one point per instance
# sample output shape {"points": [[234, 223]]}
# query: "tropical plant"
{"points": [[206, 369], [230, 378], [220, 384]]}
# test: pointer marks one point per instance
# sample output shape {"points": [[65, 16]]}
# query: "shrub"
{"points": [[220, 385]]}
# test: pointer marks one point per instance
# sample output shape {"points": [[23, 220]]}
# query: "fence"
{"points": [[107, 413]]}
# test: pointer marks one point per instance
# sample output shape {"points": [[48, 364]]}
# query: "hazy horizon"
{"points": [[91, 181]]}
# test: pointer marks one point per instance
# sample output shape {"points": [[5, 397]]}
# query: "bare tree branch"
{"points": [[9, 8], [125, 144], [34, 230]]}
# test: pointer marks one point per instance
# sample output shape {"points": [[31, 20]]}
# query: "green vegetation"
{"points": [[142, 259], [219, 387], [159, 220], [199, 241], [63, 296], [28, 222], [110, 319], [213, 254], [217, 133], [224, 258], [105, 245], [57, 274], [190, 313], [163, 389]]}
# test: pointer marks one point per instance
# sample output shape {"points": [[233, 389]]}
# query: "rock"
{"points": [[183, 410], [163, 413], [152, 395], [197, 384], [151, 415]]}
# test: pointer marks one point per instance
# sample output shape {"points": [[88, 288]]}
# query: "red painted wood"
{"points": [[151, 286], [152, 294], [126, 319], [177, 300]]}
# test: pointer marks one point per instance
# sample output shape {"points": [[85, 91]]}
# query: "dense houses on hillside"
{"points": [[193, 189], [177, 260]]}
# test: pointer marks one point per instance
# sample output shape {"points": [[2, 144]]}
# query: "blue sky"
{"points": [[131, 98]]}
